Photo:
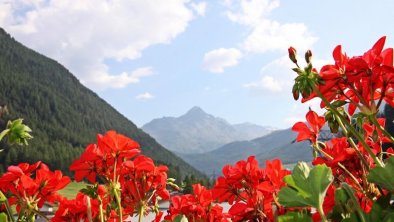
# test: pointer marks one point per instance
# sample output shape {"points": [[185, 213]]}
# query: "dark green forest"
{"points": [[64, 115]]}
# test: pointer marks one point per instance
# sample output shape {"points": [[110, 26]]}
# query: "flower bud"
{"points": [[308, 56], [296, 92], [296, 95], [292, 54]]}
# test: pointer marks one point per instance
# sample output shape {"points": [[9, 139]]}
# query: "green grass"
{"points": [[71, 190]]}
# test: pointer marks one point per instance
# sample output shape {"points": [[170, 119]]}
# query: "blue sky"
{"points": [[157, 58]]}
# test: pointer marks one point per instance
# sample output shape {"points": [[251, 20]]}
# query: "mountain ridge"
{"points": [[197, 131]]}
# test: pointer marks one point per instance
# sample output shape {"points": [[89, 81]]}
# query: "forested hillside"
{"points": [[65, 116]]}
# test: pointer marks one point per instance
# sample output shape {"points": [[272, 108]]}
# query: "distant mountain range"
{"points": [[199, 132], [65, 115], [208, 143], [276, 145]]}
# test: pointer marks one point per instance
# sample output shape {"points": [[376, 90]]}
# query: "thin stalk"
{"points": [[382, 95], [31, 217], [151, 196], [9, 211], [117, 192], [89, 209], [101, 209], [375, 122], [321, 212], [365, 145], [118, 203], [350, 193], [352, 131], [141, 212], [41, 215], [351, 141], [21, 214]]}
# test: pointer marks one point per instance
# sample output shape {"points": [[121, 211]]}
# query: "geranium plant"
{"points": [[351, 178], [351, 181]]}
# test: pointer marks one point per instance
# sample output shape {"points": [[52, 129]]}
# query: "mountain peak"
{"points": [[196, 110], [196, 114]]}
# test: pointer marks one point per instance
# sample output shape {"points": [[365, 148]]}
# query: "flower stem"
{"points": [[118, 202], [116, 191], [373, 119], [351, 141], [321, 212], [89, 206], [141, 213], [41, 215], [101, 209], [9, 211]]}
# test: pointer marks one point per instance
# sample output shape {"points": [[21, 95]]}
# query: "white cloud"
{"points": [[144, 96], [102, 79], [276, 76], [271, 35], [216, 60], [82, 35], [200, 7], [266, 34], [267, 83], [250, 12]]}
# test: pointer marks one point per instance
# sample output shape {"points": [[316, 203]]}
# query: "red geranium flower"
{"points": [[310, 131]]}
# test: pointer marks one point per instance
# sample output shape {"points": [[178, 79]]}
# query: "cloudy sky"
{"points": [[154, 58]]}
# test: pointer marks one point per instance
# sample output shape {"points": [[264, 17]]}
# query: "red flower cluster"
{"points": [[359, 80], [251, 190], [133, 182], [30, 186], [142, 183], [196, 207], [362, 82], [105, 158]]}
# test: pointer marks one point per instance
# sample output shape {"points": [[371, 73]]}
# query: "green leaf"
{"points": [[383, 176], [306, 187], [2, 197], [382, 210], [295, 217], [90, 190], [297, 70], [3, 217], [338, 103], [389, 218], [180, 218], [3, 133]]}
